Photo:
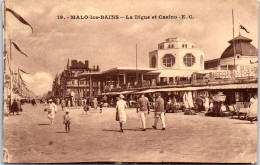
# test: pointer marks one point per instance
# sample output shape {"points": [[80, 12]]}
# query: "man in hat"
{"points": [[51, 111], [120, 106], [67, 120], [159, 111], [143, 105]]}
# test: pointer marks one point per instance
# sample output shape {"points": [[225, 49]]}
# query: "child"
{"points": [[67, 120], [86, 108]]}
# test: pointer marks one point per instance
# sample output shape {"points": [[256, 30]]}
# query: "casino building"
{"points": [[176, 58], [175, 65]]}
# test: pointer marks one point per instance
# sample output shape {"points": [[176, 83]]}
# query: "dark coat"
{"points": [[159, 104]]}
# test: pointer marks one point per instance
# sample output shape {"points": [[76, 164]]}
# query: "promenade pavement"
{"points": [[95, 137]]}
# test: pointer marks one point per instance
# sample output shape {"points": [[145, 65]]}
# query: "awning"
{"points": [[117, 93], [229, 86], [236, 86]]}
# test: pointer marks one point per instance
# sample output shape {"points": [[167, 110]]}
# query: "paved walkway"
{"points": [[96, 137]]}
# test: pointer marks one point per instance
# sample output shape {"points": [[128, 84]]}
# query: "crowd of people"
{"points": [[210, 105]]}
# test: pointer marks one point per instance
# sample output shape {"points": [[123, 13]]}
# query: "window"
{"points": [[163, 79], [153, 62], [168, 60], [201, 61], [223, 67], [172, 46], [73, 82], [81, 82], [169, 46], [189, 59]]}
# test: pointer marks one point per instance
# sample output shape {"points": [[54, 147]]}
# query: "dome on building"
{"points": [[242, 46]]}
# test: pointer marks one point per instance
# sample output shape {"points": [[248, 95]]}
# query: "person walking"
{"points": [[159, 111], [51, 111], [120, 106], [67, 120], [143, 105], [86, 108]]}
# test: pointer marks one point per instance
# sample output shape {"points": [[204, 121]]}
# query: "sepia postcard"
{"points": [[132, 81]]}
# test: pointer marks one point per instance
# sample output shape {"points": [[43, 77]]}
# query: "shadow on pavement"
{"points": [[43, 124], [61, 132], [127, 129], [244, 123], [110, 130]]}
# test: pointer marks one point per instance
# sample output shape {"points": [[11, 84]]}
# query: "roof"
{"points": [[242, 46], [78, 64], [128, 69], [240, 38], [84, 74]]}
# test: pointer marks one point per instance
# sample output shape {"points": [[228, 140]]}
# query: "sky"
{"points": [[112, 43]]}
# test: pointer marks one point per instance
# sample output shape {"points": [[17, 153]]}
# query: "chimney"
{"points": [[86, 63], [98, 68]]}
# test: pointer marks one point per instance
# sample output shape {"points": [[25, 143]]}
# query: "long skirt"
{"points": [[122, 116], [252, 110]]}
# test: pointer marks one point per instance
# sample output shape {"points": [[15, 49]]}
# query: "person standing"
{"points": [[63, 104], [159, 111], [252, 113], [200, 103], [206, 103], [143, 104], [95, 103], [19, 104], [101, 105], [120, 106], [51, 111], [67, 120], [14, 107]]}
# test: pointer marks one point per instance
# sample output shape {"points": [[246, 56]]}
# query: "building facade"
{"points": [[176, 58], [245, 56], [69, 84]]}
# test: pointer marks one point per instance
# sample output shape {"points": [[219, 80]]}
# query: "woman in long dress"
{"points": [[252, 113], [120, 106]]}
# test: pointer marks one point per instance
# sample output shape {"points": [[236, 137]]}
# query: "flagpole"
{"points": [[136, 65], [234, 46], [239, 29], [11, 74]]}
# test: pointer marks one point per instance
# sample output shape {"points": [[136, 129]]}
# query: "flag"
{"points": [[23, 71], [17, 48], [243, 28], [19, 17]]}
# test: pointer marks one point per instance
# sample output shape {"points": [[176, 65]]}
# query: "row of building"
{"points": [[176, 63]]}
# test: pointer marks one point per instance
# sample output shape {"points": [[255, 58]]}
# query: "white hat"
{"points": [[121, 96], [50, 100], [67, 110]]}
